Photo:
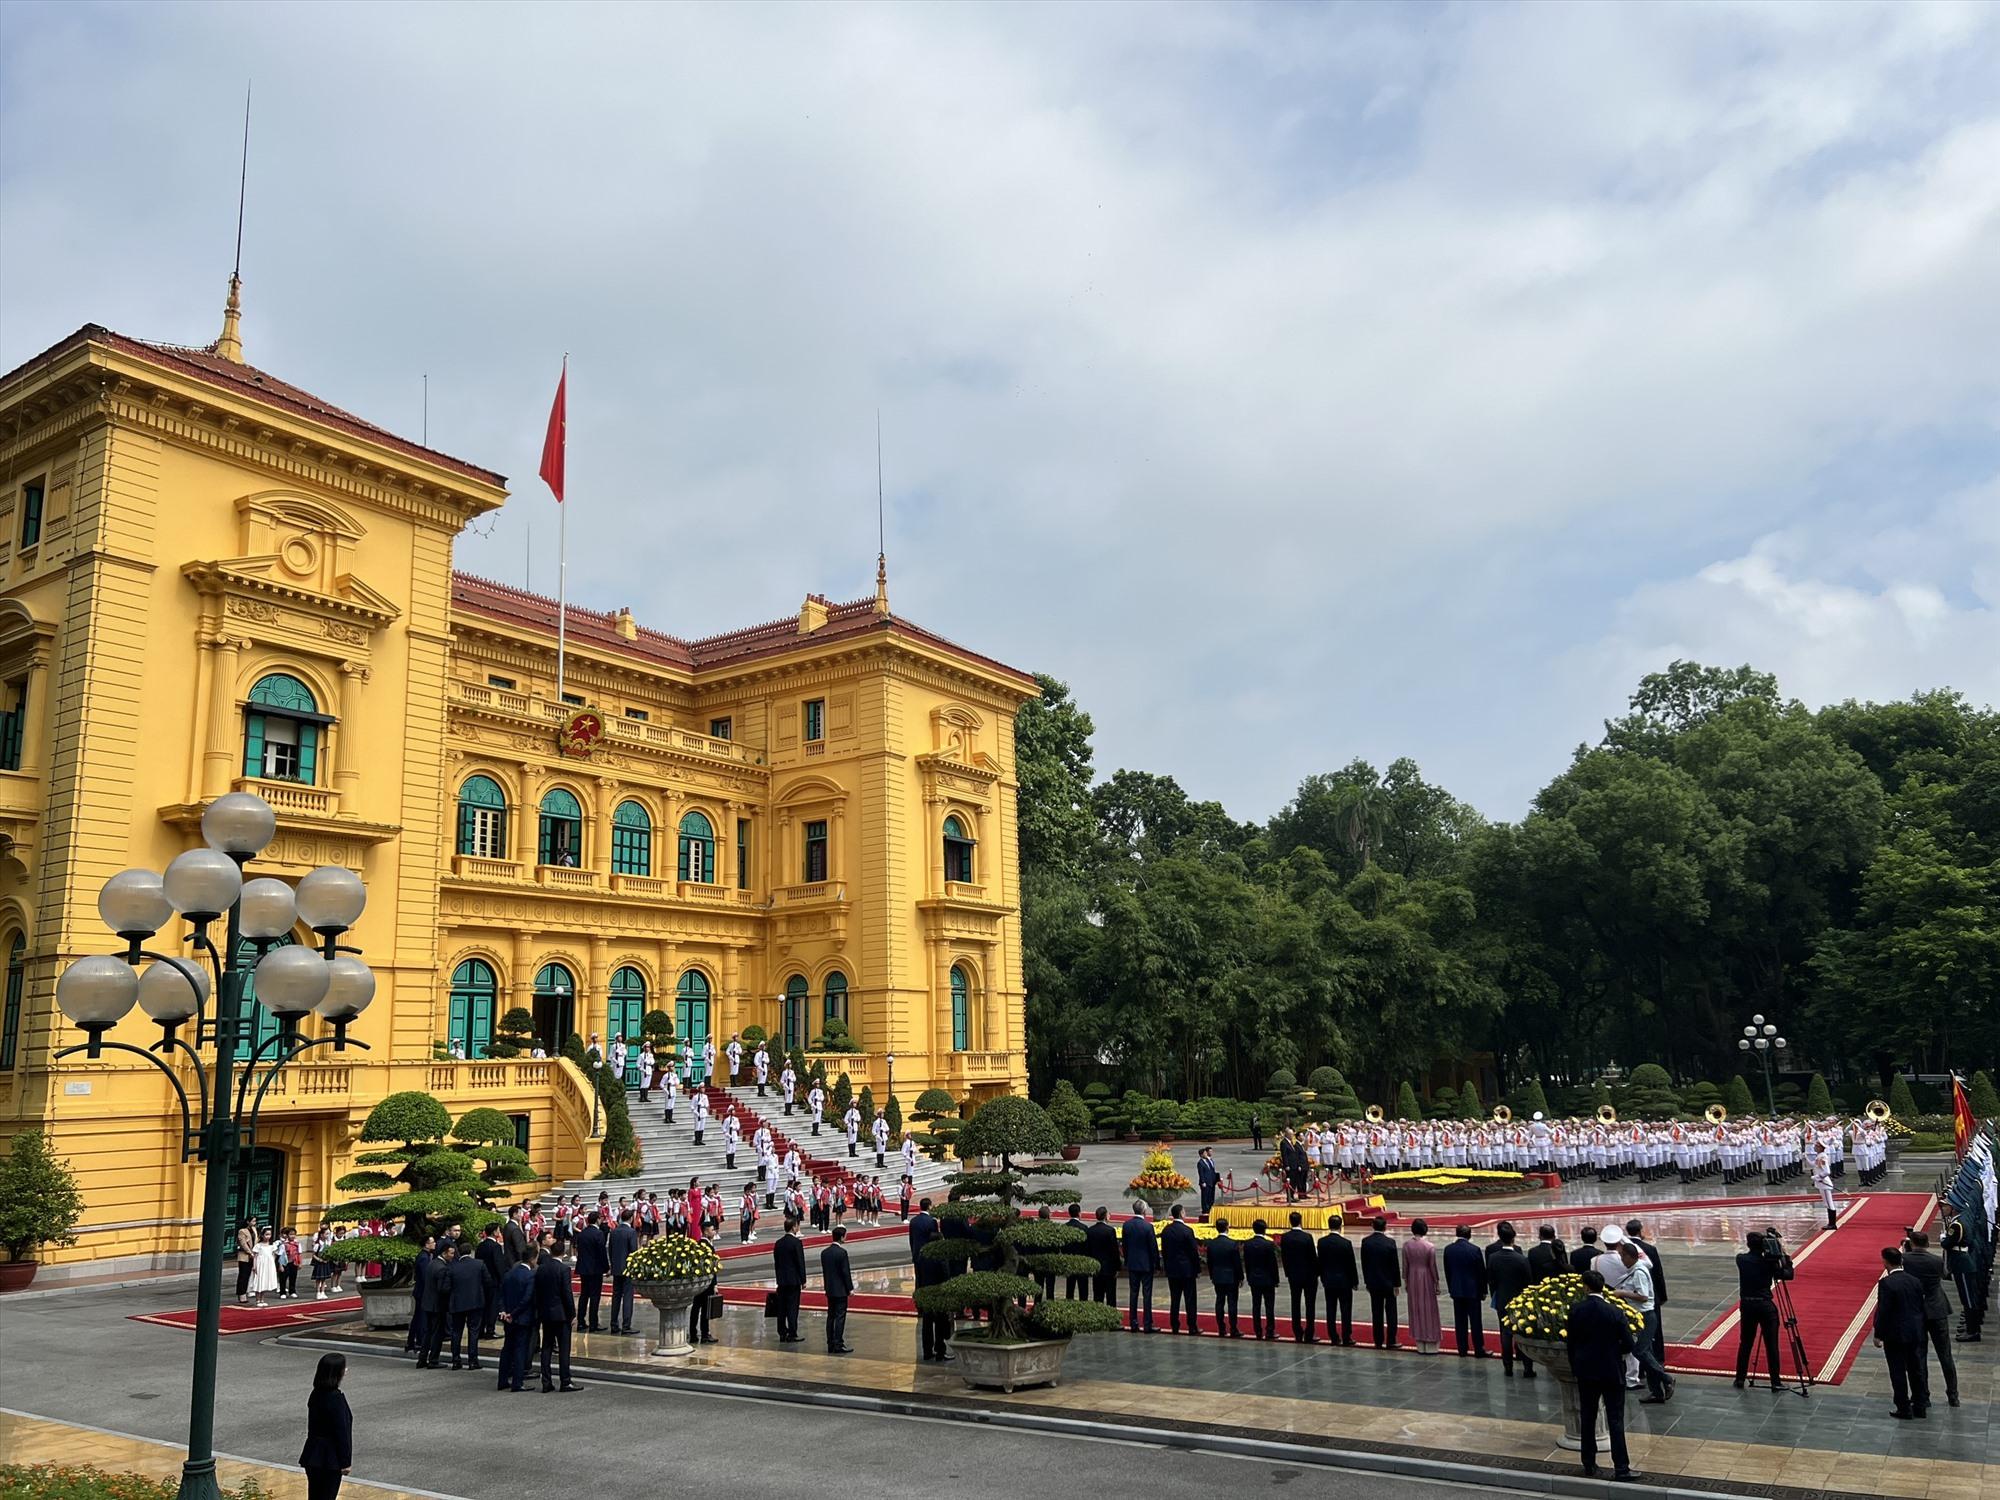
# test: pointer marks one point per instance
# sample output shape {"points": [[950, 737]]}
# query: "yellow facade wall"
{"points": [[197, 537]]}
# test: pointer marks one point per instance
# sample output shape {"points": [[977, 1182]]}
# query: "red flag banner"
{"points": [[1963, 1125], [554, 443]]}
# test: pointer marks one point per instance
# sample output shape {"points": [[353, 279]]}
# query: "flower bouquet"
{"points": [[1542, 1310], [673, 1257], [1159, 1183]]}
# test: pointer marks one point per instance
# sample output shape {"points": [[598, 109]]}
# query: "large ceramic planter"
{"points": [[1893, 1148], [1009, 1367], [673, 1296], [1159, 1200], [1553, 1356], [1071, 1153], [388, 1306], [16, 1274]]}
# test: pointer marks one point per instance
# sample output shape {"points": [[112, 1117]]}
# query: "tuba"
{"points": [[1502, 1115], [1878, 1110], [1716, 1113], [1373, 1114], [1607, 1114]]}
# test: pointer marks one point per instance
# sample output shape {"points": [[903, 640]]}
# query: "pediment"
{"points": [[271, 581]]}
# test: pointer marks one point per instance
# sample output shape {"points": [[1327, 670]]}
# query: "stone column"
{"points": [[726, 837], [836, 862], [350, 746], [522, 985], [730, 1020], [527, 822], [933, 833], [599, 979], [600, 850], [224, 742], [36, 718], [992, 1004]]}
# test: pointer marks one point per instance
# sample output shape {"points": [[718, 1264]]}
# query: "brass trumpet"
{"points": [[1878, 1110], [1716, 1113], [1607, 1114], [1373, 1114], [1502, 1115]]}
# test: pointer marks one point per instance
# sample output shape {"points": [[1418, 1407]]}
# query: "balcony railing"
{"points": [[566, 877], [636, 731], [794, 895], [981, 1065], [293, 797], [472, 867], [638, 885]]}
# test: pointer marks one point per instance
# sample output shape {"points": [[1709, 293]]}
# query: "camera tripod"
{"points": [[1788, 1317]]}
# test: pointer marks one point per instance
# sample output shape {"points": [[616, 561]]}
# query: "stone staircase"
{"points": [[671, 1157]]}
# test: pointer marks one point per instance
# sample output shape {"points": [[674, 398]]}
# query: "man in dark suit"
{"points": [[1507, 1276], [1928, 1267], [1339, 1275], [1635, 1231], [1899, 1334], [788, 1256], [1465, 1280], [591, 1264], [1260, 1273], [436, 1295], [420, 1284], [934, 1327], [514, 1238], [1296, 1254], [1547, 1259], [1382, 1274], [1599, 1338], [837, 1280], [1757, 1269], [492, 1258], [555, 1310], [468, 1307], [1208, 1179], [517, 1314], [624, 1239], [1077, 1287], [1142, 1260], [1101, 1244], [1225, 1274], [1581, 1257], [1180, 1259]]}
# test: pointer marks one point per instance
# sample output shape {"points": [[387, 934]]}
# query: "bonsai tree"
{"points": [[1983, 1097], [984, 1218], [39, 1202], [1697, 1097], [1071, 1114], [1336, 1097], [752, 1035], [1160, 1117], [1819, 1099], [1443, 1105], [937, 1112], [1529, 1098], [437, 1185], [836, 1037], [1901, 1103], [487, 1136], [1098, 1098], [1282, 1097], [1649, 1094], [517, 1034], [843, 1094], [657, 1027]]}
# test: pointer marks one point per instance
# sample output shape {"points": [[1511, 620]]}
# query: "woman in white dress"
{"points": [[263, 1268]]}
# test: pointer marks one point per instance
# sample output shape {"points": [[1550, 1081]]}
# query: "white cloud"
{"points": [[1299, 383]]}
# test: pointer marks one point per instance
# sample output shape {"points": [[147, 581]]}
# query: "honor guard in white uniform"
{"points": [[815, 1105], [852, 1120], [734, 1052], [880, 1130]]}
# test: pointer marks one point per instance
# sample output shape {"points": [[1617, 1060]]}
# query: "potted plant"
{"points": [[1539, 1320], [938, 1113], [1072, 1117], [670, 1271], [39, 1205], [1025, 1335], [440, 1184], [1159, 1185]]}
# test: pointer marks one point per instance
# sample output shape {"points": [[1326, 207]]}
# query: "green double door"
{"points": [[691, 1021], [256, 1191]]}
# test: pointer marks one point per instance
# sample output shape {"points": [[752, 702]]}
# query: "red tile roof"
{"points": [[208, 366], [599, 630]]}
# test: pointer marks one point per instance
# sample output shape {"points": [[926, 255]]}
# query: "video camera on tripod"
{"points": [[1778, 1270]]}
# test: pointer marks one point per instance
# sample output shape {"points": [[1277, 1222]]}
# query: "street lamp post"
{"points": [[96, 991], [1762, 1038], [890, 1059]]}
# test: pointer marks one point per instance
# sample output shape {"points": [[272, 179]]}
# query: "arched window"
{"points": [[562, 829], [482, 818], [957, 852], [258, 1025], [631, 840], [628, 1009], [281, 730], [961, 1008], [834, 1005], [796, 990], [475, 991], [697, 849], [691, 1013], [10, 1017]]}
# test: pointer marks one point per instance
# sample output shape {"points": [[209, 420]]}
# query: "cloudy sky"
{"points": [[1298, 383]]}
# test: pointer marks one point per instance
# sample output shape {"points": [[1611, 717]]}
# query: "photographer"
{"points": [[1757, 1269]]}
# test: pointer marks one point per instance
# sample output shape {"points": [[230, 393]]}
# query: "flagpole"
{"points": [[562, 560]]}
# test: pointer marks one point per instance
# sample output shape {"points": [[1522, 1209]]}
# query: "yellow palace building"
{"points": [[211, 581]]}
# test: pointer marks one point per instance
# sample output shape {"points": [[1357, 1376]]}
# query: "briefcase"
{"points": [[770, 1304], [715, 1305]]}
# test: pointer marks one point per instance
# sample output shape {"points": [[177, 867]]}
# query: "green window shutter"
{"points": [[253, 745], [308, 752], [683, 870], [10, 1020], [466, 815], [460, 1008]]}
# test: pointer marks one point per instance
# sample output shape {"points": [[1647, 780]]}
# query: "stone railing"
{"points": [[473, 867], [566, 876], [294, 797]]}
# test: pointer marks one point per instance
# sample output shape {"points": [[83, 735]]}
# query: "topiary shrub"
{"points": [[516, 1034], [1736, 1097], [1323, 1080], [621, 1156], [1902, 1103], [1469, 1105], [657, 1027], [1071, 1114], [1696, 1097], [984, 1217], [836, 1037], [1338, 1101], [893, 1113], [937, 1112], [752, 1035], [437, 1185], [1526, 1100], [1649, 1094], [1443, 1105], [572, 1048], [1406, 1102], [1982, 1096], [843, 1094], [1819, 1099]]}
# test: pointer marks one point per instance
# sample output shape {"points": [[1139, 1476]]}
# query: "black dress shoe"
{"points": [[1952, 1399], [1900, 1416], [547, 1386], [1626, 1476], [566, 1389], [1652, 1400]]}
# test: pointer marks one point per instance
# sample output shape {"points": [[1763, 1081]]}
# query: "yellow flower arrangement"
{"points": [[1464, 1181], [1542, 1310], [1157, 1174], [670, 1257]]}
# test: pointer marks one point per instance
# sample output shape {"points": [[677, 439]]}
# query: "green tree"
{"points": [[1736, 1097], [1406, 1102], [893, 1113], [937, 1112], [1052, 760], [39, 1201], [1980, 1093], [1469, 1105], [867, 1108], [1901, 1104], [1819, 1100], [843, 1094], [1071, 1114], [1528, 1100], [1649, 1094]]}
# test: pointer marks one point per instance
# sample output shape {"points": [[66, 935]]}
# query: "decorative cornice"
{"points": [[220, 579]]}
